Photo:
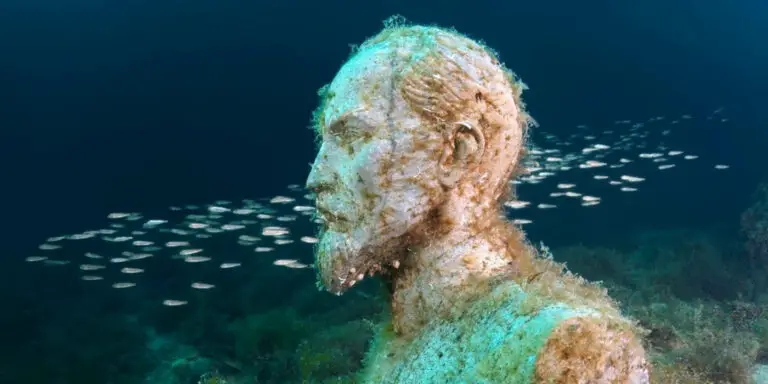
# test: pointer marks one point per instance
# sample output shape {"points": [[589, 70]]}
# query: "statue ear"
{"points": [[463, 147]]}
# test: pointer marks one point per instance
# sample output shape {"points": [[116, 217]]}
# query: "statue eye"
{"points": [[340, 129], [348, 129]]}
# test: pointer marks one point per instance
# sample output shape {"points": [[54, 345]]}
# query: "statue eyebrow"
{"points": [[345, 124], [321, 128]]}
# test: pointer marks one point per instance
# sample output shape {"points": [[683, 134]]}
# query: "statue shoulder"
{"points": [[483, 346]]}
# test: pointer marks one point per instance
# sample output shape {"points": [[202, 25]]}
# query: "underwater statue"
{"points": [[421, 131]]}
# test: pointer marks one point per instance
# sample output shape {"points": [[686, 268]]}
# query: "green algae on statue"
{"points": [[421, 130]]}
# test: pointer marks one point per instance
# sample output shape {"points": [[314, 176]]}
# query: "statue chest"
{"points": [[490, 348]]}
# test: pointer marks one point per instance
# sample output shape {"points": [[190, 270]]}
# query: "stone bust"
{"points": [[420, 132]]}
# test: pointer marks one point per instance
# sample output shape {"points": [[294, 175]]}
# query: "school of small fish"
{"points": [[620, 158]]}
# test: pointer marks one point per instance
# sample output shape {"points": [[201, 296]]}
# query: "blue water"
{"points": [[140, 105]]}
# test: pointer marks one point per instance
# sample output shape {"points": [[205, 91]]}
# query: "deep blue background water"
{"points": [[138, 105]]}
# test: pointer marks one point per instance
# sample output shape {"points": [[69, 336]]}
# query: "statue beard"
{"points": [[335, 255], [341, 256]]}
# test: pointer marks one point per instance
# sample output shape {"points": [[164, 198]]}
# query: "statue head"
{"points": [[420, 132]]}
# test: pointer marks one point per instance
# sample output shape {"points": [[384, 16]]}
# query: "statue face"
{"points": [[419, 124], [373, 175]]}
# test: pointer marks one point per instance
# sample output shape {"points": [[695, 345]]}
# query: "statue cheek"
{"points": [[370, 167], [368, 182]]}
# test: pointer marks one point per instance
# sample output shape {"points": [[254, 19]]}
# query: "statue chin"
{"points": [[345, 257], [337, 254]]}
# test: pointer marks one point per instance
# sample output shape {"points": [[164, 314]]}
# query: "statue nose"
{"points": [[319, 185], [322, 177], [314, 182]]}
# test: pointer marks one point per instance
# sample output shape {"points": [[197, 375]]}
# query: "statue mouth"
{"points": [[329, 216], [349, 269]]}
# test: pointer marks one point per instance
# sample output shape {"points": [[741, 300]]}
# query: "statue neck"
{"points": [[435, 279]]}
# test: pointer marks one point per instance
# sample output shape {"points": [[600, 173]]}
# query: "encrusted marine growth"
{"points": [[420, 132], [754, 226]]}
